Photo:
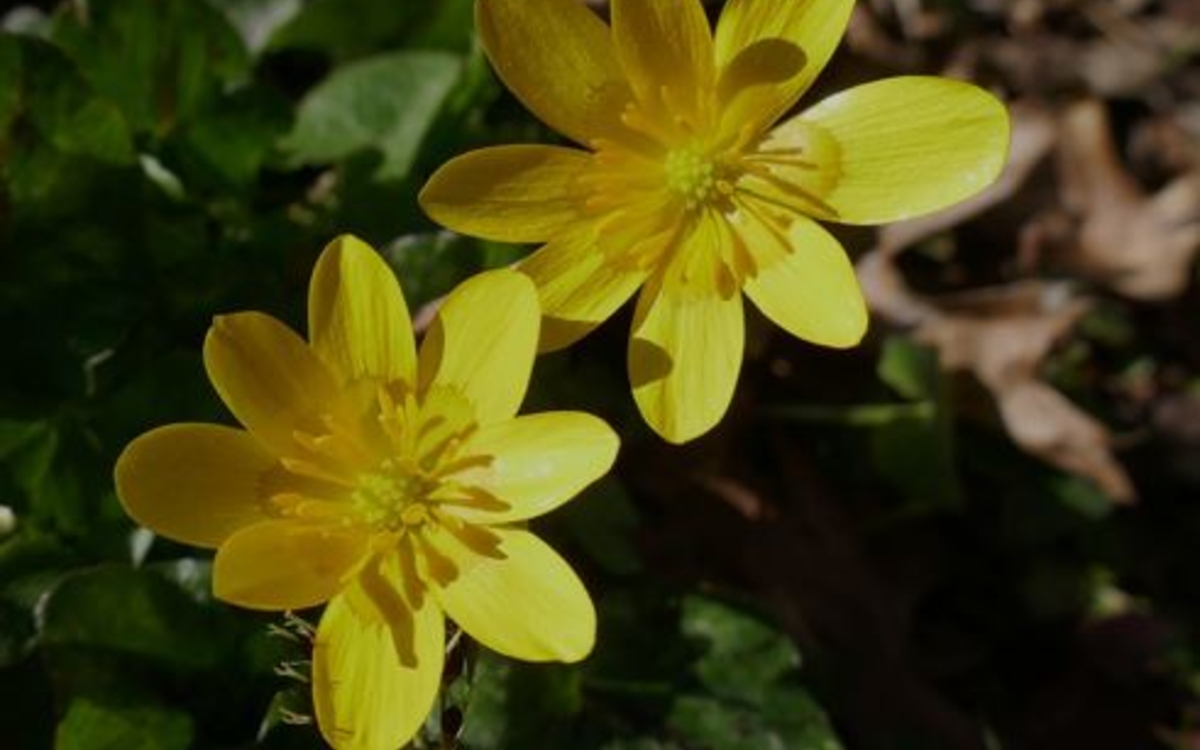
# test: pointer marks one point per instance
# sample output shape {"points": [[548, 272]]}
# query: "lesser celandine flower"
{"points": [[690, 190], [390, 484]]}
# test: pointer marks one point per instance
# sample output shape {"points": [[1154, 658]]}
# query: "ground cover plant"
{"points": [[972, 528]]}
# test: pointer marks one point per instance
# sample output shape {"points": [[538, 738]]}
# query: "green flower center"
{"points": [[691, 175], [393, 498]]}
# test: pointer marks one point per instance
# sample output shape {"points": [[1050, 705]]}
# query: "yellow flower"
{"points": [[391, 485], [688, 190]]}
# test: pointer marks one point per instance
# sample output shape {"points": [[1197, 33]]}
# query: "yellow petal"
{"points": [[483, 342], [194, 483], [909, 146], [666, 50], [539, 462], [357, 319], [267, 376], [579, 288], [365, 699], [529, 605], [812, 291], [685, 349], [507, 193], [767, 31], [794, 167], [277, 565], [557, 58], [750, 88]]}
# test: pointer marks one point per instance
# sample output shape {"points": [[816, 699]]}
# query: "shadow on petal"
{"points": [[648, 362]]}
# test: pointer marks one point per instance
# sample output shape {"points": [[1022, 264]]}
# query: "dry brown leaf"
{"points": [[1132, 54], [1140, 246], [1168, 142], [1003, 337], [1046, 424]]}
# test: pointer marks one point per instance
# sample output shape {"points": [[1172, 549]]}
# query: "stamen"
{"points": [[410, 579], [440, 568], [768, 223], [475, 498], [787, 187], [386, 600], [478, 539], [314, 470], [462, 463], [301, 507]]}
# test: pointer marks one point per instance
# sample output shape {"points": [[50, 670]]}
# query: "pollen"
{"points": [[391, 498], [692, 176]]}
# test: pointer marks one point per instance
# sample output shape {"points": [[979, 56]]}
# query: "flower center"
{"points": [[393, 498], [691, 175]]}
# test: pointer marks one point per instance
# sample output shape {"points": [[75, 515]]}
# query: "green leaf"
{"points": [[161, 61], [430, 264], [385, 103], [92, 725], [132, 612], [800, 720], [1081, 496], [911, 370], [258, 20], [915, 450], [449, 25], [795, 721], [28, 450], [518, 705], [743, 656], [344, 29], [43, 85], [226, 147]]}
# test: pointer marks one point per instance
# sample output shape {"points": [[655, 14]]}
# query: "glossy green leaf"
{"points": [[743, 656], [385, 104], [258, 20]]}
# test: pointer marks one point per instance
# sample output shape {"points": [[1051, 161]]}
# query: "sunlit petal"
{"points": [[764, 40], [357, 319], [267, 376], [483, 342], [529, 604], [685, 348], [365, 698], [812, 291], [278, 565], [194, 483], [558, 59], [538, 462], [908, 146], [507, 193]]}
